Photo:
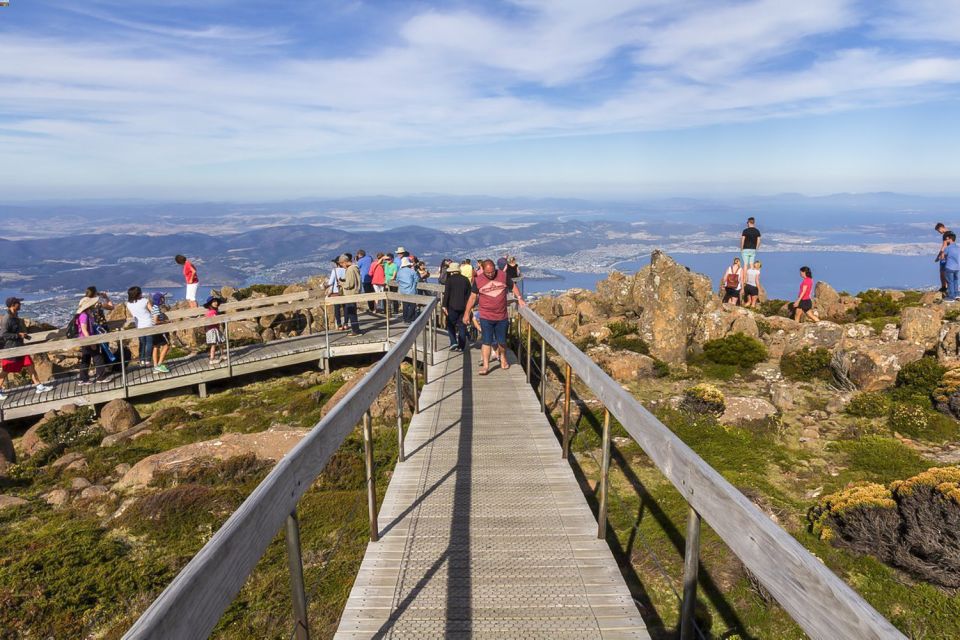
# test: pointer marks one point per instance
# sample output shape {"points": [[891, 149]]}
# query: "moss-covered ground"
{"points": [[90, 568]]}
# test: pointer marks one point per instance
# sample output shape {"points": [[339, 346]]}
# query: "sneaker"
{"points": [[83, 383], [161, 368], [354, 334], [42, 388], [3, 396]]}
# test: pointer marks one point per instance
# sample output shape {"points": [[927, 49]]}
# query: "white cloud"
{"points": [[450, 77]]}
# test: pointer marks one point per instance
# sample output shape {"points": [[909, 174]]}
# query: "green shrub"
{"points": [[621, 328], [876, 304], [660, 368], [737, 349], [585, 343], [67, 430], [922, 423], [630, 343], [771, 307], [807, 364], [921, 376], [878, 324], [703, 399], [868, 405]]}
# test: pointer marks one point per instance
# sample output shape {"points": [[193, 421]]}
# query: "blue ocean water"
{"points": [[844, 271]]}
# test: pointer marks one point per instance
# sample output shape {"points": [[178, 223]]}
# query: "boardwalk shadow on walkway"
{"points": [[457, 554]]}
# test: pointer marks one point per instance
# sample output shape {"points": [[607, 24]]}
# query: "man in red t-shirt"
{"points": [[490, 287], [191, 278]]}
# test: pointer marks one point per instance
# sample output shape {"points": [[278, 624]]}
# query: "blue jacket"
{"points": [[952, 254], [364, 265], [407, 280]]}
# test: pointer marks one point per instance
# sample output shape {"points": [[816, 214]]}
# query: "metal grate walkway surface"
{"points": [[485, 532]]}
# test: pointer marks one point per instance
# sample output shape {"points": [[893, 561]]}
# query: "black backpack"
{"points": [[72, 329]]}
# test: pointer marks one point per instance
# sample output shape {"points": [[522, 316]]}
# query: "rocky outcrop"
{"points": [[8, 502], [271, 445], [873, 365], [921, 325], [948, 344], [7, 454], [31, 443], [832, 305], [118, 415], [622, 366]]}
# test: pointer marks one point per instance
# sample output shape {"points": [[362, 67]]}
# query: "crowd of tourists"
{"points": [[467, 307], [740, 283]]}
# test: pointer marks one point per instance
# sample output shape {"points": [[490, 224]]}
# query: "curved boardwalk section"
{"points": [[485, 532]]}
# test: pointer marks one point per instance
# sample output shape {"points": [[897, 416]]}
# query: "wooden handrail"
{"points": [[819, 601], [195, 600], [194, 323]]}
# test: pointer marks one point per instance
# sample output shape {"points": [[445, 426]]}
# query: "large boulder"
{"points": [[615, 293], [622, 366], [948, 344], [832, 305], [921, 325], [118, 415], [745, 409], [271, 445], [818, 335], [669, 300], [873, 365], [8, 502], [718, 321], [31, 443]]}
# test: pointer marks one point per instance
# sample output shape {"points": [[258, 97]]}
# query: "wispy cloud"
{"points": [[137, 91]]}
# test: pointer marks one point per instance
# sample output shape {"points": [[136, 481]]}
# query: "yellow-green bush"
{"points": [[868, 404], [920, 422], [704, 398]]}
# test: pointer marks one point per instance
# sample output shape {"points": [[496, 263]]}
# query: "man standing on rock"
{"points": [[749, 243], [490, 288], [191, 278]]}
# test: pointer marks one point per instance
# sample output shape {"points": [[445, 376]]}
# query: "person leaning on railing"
{"points": [[14, 333]]}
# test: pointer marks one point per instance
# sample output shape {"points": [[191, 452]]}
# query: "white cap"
{"points": [[405, 262]]}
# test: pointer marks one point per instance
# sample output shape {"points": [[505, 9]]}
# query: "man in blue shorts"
{"points": [[489, 291], [749, 243]]}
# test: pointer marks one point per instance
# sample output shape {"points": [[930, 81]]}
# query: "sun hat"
{"points": [[405, 262], [400, 250], [86, 303], [12, 301], [213, 299], [453, 267]]}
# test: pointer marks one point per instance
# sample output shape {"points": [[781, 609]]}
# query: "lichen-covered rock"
{"points": [[745, 409], [784, 395], [873, 365], [832, 305], [921, 325], [615, 293], [669, 299], [622, 366], [819, 335], [31, 443], [118, 415], [946, 397], [271, 444], [948, 344], [56, 498], [8, 502]]}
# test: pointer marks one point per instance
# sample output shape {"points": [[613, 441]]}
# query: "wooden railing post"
{"points": [[568, 374], [429, 339], [386, 311], [326, 340], [297, 589], [529, 347], [604, 477], [399, 384], [226, 340], [543, 374], [371, 475], [691, 565], [425, 334], [416, 381], [123, 369]]}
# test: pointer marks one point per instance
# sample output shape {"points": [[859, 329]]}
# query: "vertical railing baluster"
{"points": [[297, 588], [568, 374], [691, 565], [226, 339], [371, 475], [604, 477], [425, 336], [399, 384], [386, 310], [123, 369], [529, 348], [543, 374], [326, 338], [416, 381]]}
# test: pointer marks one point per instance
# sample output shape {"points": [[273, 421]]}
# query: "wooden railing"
{"points": [[819, 601], [194, 602]]}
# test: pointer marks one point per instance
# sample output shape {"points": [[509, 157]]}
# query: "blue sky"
{"points": [[240, 100]]}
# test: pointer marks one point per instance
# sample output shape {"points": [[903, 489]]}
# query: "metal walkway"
{"points": [[485, 532]]}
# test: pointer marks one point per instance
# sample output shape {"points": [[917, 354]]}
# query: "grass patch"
{"points": [[266, 289], [879, 459]]}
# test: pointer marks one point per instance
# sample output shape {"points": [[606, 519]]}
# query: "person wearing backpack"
{"points": [[13, 334], [91, 353], [733, 282]]}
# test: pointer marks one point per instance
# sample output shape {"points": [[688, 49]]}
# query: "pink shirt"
{"points": [[806, 288]]}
